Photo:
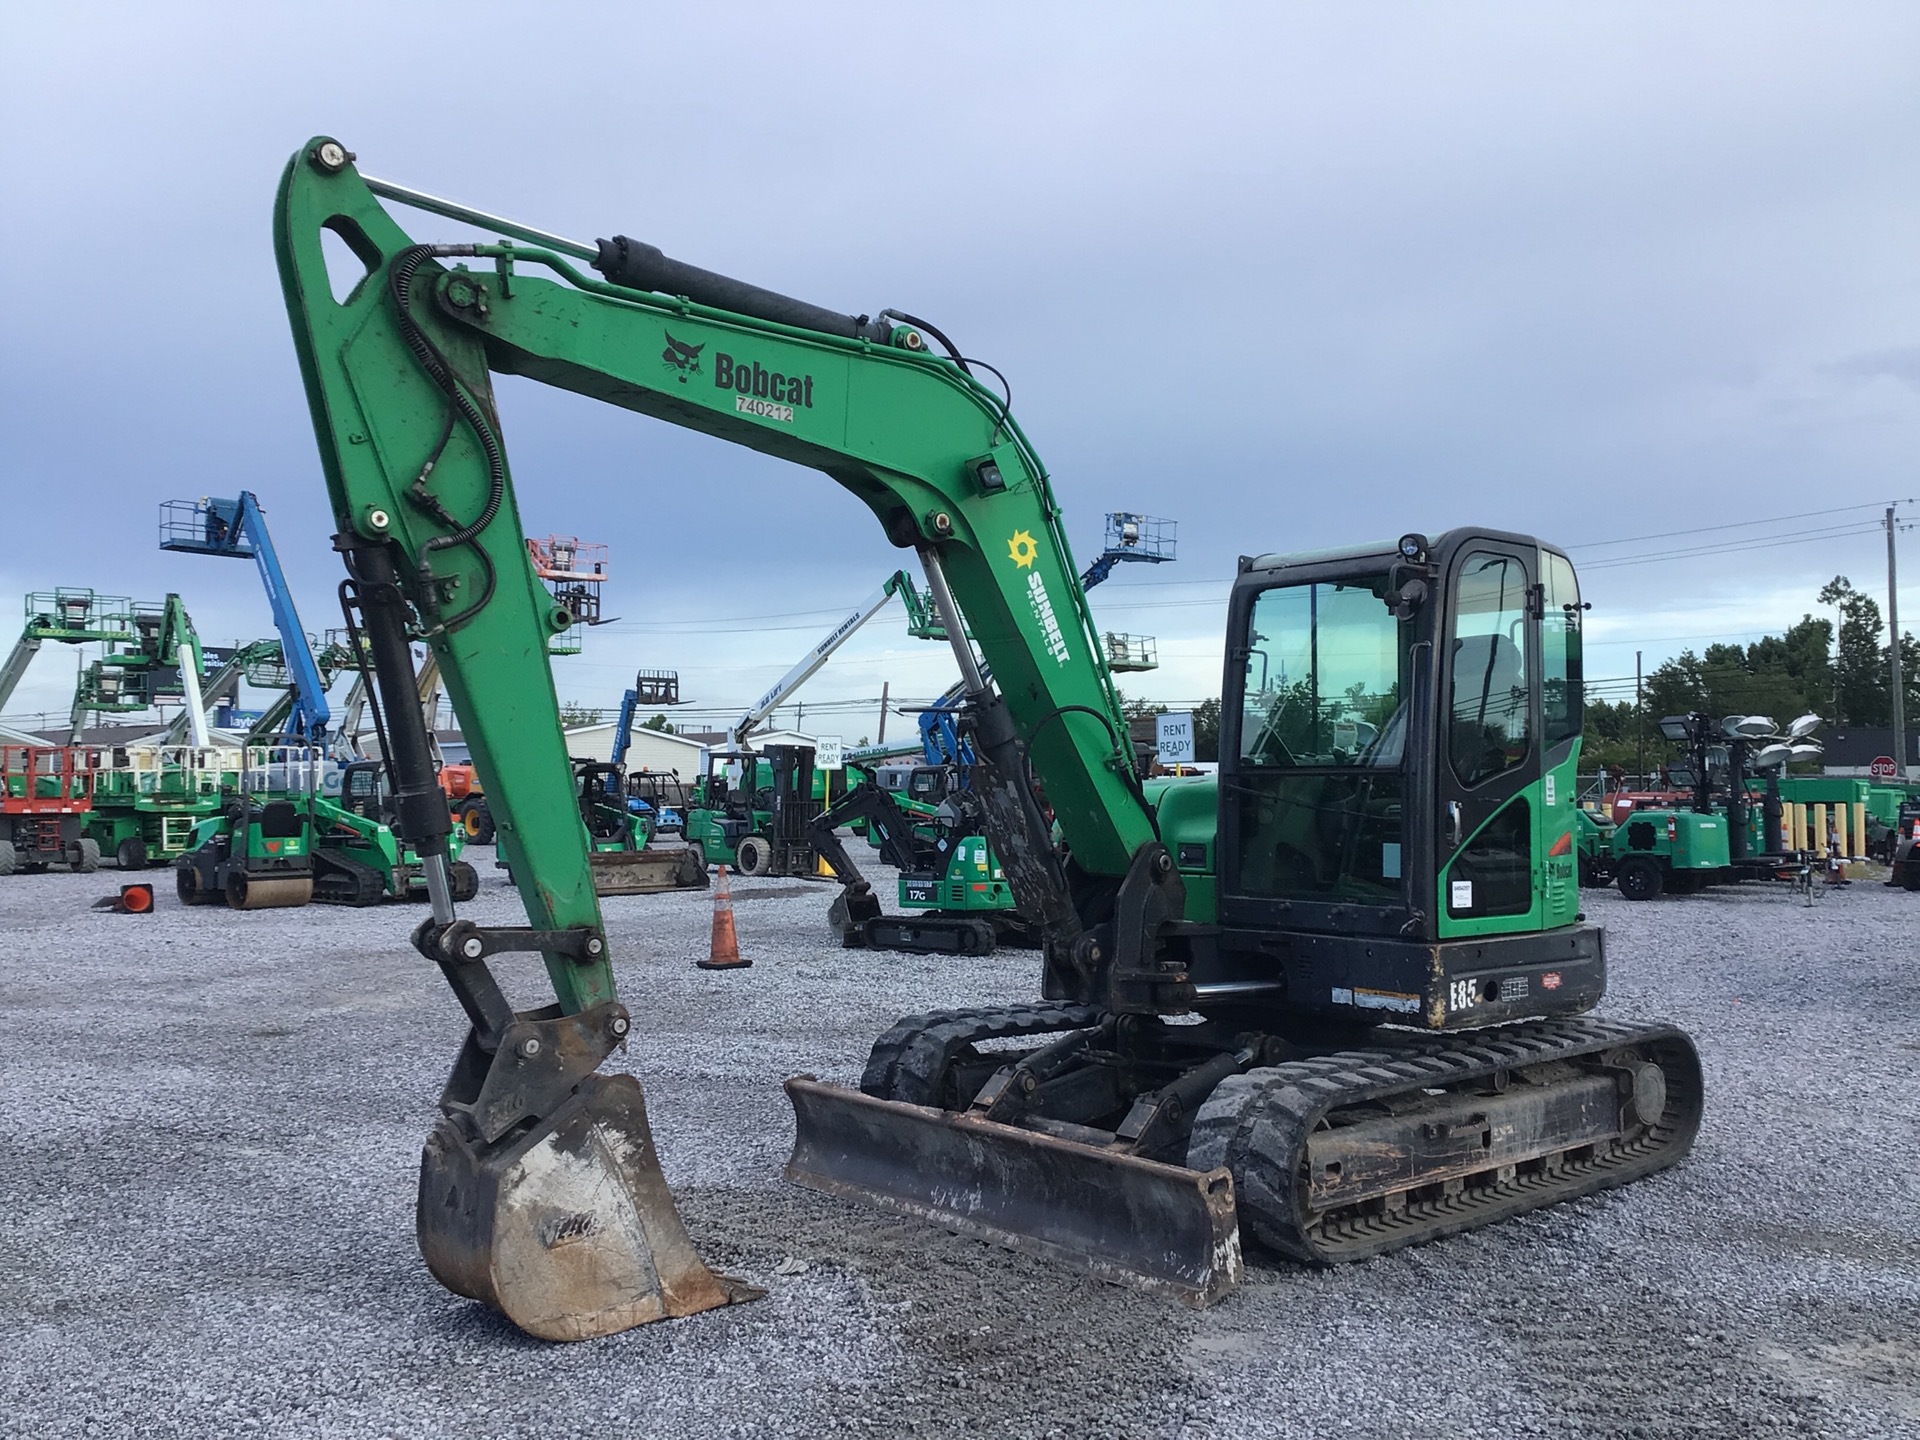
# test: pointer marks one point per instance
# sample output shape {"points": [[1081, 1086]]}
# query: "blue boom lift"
{"points": [[238, 529]]}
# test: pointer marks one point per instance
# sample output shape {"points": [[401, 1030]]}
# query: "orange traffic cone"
{"points": [[724, 953], [132, 900]]}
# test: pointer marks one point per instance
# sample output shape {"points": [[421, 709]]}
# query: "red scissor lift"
{"points": [[45, 794]]}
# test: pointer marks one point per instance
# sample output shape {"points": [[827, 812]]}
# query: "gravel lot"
{"points": [[211, 1123]]}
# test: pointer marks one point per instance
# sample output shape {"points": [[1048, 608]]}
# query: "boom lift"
{"points": [[1142, 539], [651, 689], [238, 529], [261, 664], [656, 795], [71, 617], [162, 662], [46, 792], [574, 571], [1332, 994]]}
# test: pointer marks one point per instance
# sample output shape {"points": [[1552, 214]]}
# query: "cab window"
{"points": [[1491, 718]]}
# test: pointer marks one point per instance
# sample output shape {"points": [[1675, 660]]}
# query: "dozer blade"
{"points": [[1137, 1222], [646, 872], [567, 1229]]}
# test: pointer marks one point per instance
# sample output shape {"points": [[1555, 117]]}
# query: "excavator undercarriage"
{"points": [[1125, 1146]]}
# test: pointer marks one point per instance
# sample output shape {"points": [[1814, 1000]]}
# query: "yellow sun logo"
{"points": [[1021, 550]]}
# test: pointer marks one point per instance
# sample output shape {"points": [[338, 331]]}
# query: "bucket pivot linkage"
{"points": [[541, 1192]]}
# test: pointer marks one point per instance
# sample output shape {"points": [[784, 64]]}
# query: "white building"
{"points": [[648, 749]]}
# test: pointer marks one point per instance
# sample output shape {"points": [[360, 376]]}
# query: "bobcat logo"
{"points": [[683, 357]]}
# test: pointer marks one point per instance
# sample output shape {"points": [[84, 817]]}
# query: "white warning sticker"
{"points": [[1461, 897]]}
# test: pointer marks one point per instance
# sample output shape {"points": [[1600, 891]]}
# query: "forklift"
{"points": [[755, 810]]}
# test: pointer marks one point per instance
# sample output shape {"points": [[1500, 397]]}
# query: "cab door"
{"points": [[1488, 767]]}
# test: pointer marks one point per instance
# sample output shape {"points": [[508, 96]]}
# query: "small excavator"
{"points": [[1334, 996]]}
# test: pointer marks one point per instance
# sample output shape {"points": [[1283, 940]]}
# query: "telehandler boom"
{"points": [[1253, 989]]}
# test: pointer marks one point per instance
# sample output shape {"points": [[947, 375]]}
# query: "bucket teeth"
{"points": [[567, 1229]]}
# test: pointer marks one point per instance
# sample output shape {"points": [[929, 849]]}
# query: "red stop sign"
{"points": [[1882, 767]]}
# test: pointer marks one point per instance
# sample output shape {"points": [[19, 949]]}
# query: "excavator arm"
{"points": [[396, 355], [404, 361]]}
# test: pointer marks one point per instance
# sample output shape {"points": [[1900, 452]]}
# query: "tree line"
{"points": [[1793, 673], [1798, 671]]}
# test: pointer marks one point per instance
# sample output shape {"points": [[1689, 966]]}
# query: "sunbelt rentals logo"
{"points": [[1022, 550]]}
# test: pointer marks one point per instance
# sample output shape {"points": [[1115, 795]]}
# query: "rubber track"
{"points": [[910, 1062], [932, 922], [342, 880], [1258, 1125]]}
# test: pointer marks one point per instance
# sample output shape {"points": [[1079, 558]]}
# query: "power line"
{"points": [[1732, 547], [1735, 525]]}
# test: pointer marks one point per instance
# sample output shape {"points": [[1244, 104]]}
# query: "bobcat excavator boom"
{"points": [[1277, 929]]}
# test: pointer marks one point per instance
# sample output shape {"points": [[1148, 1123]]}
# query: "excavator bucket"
{"points": [[648, 871], [567, 1229], [1115, 1215]]}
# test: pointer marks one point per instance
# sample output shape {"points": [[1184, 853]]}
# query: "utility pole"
{"points": [[881, 737], [1639, 724], [1893, 630]]}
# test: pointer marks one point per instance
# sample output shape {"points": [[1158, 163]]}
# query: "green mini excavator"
{"points": [[1334, 996]]}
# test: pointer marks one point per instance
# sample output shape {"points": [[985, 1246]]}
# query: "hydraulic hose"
{"points": [[440, 370]]}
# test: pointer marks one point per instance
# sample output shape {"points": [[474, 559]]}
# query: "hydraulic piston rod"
{"points": [[453, 210]]}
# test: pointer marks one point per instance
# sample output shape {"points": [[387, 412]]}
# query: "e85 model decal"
{"points": [[1466, 994]]}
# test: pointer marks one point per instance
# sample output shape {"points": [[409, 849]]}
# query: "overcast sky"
{"points": [[1291, 275]]}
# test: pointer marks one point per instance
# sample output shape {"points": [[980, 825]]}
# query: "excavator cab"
{"points": [[1399, 736]]}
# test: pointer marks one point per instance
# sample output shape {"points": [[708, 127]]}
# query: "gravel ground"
{"points": [[211, 1121]]}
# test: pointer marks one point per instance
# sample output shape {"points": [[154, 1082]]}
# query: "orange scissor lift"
{"points": [[45, 794]]}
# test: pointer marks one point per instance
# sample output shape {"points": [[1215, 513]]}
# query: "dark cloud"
{"points": [[1900, 363]]}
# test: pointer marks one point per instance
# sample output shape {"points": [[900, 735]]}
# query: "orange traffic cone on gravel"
{"points": [[132, 900], [724, 953]]}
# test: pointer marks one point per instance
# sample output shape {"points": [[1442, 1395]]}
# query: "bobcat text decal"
{"points": [[761, 391]]}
